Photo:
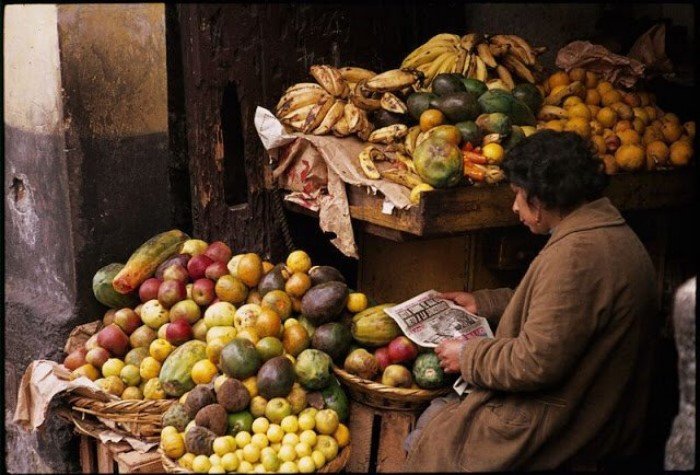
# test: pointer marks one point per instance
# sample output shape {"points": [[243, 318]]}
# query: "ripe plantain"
{"points": [[366, 158], [393, 80], [332, 116], [388, 134], [392, 103]]}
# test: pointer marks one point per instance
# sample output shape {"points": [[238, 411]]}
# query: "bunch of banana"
{"points": [[340, 99], [478, 56]]}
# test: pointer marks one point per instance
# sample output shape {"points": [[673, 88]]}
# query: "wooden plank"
{"points": [[105, 462], [136, 462], [360, 424], [87, 454], [395, 426]]}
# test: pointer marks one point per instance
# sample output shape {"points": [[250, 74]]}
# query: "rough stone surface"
{"points": [[680, 448]]}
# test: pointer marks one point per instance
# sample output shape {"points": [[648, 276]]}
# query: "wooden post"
{"points": [[87, 454]]}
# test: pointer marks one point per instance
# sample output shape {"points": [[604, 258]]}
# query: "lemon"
{"points": [[203, 372], [289, 467], [251, 453], [298, 261], [417, 190], [160, 348], [357, 301], [260, 425], [201, 464], [306, 464], [493, 153], [260, 440], [287, 453], [112, 367], [290, 424]]}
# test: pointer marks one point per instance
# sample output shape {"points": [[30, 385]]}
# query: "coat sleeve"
{"points": [[560, 321], [490, 303]]}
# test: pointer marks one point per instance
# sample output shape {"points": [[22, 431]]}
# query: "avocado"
{"points": [[383, 118], [335, 398], [275, 377], [516, 135], [334, 338], [495, 123], [239, 359], [273, 280], [474, 86], [530, 95], [324, 302], [419, 102], [323, 274], [470, 132], [458, 106], [447, 83]]}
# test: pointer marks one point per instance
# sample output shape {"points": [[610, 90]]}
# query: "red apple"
{"points": [[178, 259], [401, 350], [97, 357], [176, 272], [216, 270], [382, 357], [197, 265], [113, 339], [171, 292], [178, 332], [75, 359], [109, 317], [127, 320], [219, 252], [203, 292], [149, 289]]}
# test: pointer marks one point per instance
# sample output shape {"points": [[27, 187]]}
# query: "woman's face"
{"points": [[529, 215]]}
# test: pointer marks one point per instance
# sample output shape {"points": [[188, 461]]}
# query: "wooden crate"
{"points": [[377, 439], [101, 457]]}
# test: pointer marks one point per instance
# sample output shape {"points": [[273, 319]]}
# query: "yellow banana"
{"points": [[318, 113], [406, 160], [427, 56], [498, 50], [549, 112], [352, 116], [353, 74], [297, 114], [467, 64], [363, 98], [484, 52], [516, 66], [332, 116], [330, 79], [297, 89], [340, 128], [299, 99], [459, 62], [440, 40], [496, 84], [366, 158], [471, 70], [505, 76], [469, 41], [392, 103], [556, 98], [393, 80], [481, 73], [388, 134], [410, 139], [402, 177], [436, 66], [365, 128], [525, 47]]}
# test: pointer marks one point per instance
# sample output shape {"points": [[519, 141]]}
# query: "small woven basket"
{"points": [[382, 396], [334, 466], [140, 418]]}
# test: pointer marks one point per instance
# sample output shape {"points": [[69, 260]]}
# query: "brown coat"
{"points": [[565, 381]]}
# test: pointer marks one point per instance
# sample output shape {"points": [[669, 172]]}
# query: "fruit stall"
{"points": [[330, 179]]}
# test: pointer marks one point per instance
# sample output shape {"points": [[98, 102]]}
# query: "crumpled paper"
{"points": [[316, 168], [650, 50], [619, 70]]}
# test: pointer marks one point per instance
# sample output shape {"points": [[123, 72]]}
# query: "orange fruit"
{"points": [[577, 74], [596, 127], [638, 125], [594, 109], [279, 301], [580, 110], [557, 125], [592, 97], [652, 134], [571, 101], [298, 283], [622, 125], [644, 98], [447, 132], [611, 166], [230, 289], [296, 304], [607, 117], [295, 339], [651, 112], [560, 78], [690, 128], [672, 131], [579, 125], [431, 118], [631, 99], [607, 133], [268, 323], [670, 117], [591, 79], [681, 153], [624, 111], [599, 143], [657, 154], [629, 136], [641, 113], [603, 87], [610, 97], [630, 157]]}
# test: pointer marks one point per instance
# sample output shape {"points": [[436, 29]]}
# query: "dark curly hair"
{"points": [[558, 168]]}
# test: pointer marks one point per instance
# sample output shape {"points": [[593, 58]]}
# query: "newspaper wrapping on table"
{"points": [[428, 319]]}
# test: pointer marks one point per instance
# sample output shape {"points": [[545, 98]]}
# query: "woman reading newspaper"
{"points": [[564, 382]]}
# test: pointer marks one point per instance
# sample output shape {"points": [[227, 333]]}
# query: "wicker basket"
{"points": [[140, 418], [334, 466], [382, 396]]}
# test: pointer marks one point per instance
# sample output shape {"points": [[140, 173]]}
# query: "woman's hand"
{"points": [[448, 351], [463, 299]]}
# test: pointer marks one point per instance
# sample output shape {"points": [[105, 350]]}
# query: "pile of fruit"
{"points": [[626, 127], [225, 335]]}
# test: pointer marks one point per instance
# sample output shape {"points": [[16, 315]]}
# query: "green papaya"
{"points": [[373, 327], [439, 162], [104, 291], [496, 100], [175, 373]]}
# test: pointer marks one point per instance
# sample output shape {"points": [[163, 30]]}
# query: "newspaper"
{"points": [[427, 320]]}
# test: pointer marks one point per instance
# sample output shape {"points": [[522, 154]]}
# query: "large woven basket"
{"points": [[140, 418], [382, 396], [334, 466]]}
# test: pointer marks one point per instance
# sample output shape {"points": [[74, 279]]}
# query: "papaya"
{"points": [[175, 373], [104, 291], [145, 260], [438, 162], [496, 100], [373, 327], [313, 369]]}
